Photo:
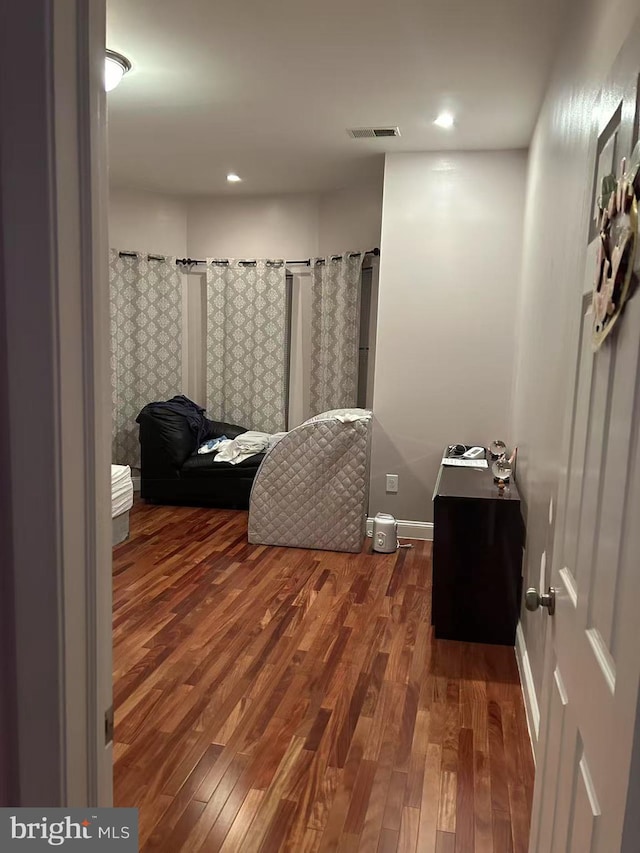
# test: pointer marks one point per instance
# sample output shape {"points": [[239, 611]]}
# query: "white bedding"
{"points": [[121, 490], [245, 445]]}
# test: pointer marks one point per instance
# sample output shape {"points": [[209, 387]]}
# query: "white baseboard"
{"points": [[528, 688], [409, 529]]}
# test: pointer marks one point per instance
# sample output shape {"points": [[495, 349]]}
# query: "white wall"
{"points": [[449, 270], [350, 219], [147, 222], [293, 227], [561, 163], [247, 227]]}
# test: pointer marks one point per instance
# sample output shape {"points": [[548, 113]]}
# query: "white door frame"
{"points": [[55, 405]]}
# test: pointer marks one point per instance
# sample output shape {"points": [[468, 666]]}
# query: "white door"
{"points": [[593, 642]]}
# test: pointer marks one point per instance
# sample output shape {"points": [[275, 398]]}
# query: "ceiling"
{"points": [[267, 88]]}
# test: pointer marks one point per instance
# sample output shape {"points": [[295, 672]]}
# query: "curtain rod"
{"points": [[137, 255], [306, 262], [222, 261]]}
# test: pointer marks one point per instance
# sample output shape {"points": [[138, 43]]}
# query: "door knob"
{"points": [[533, 600]]}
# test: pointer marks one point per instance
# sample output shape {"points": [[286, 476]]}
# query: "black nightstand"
{"points": [[477, 557]]}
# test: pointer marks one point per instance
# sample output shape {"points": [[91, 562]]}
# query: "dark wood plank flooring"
{"points": [[275, 699]]}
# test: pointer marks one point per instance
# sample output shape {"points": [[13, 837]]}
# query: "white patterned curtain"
{"points": [[247, 344], [335, 319], [146, 343]]}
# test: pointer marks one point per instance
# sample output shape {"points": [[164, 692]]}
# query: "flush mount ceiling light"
{"points": [[445, 120], [233, 178], [115, 67]]}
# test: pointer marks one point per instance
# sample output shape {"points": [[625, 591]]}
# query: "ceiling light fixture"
{"points": [[233, 178], [115, 67], [444, 120]]}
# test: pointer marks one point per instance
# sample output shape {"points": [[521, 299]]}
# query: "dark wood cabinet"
{"points": [[477, 557]]}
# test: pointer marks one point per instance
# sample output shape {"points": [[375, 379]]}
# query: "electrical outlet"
{"points": [[392, 483]]}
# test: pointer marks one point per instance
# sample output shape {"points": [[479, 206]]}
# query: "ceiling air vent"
{"points": [[373, 132]]}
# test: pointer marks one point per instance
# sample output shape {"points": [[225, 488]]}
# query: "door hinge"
{"points": [[108, 725]]}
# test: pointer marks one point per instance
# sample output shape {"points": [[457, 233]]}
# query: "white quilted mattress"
{"points": [[121, 490], [312, 487]]}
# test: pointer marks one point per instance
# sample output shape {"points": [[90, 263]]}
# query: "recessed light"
{"points": [[115, 67], [445, 120], [233, 178]]}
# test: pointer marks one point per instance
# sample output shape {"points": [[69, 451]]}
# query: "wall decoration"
{"points": [[618, 227], [636, 116], [606, 158]]}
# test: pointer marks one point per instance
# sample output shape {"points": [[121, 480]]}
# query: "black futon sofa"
{"points": [[172, 471]]}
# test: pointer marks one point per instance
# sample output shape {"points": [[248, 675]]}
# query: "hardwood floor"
{"points": [[277, 699]]}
